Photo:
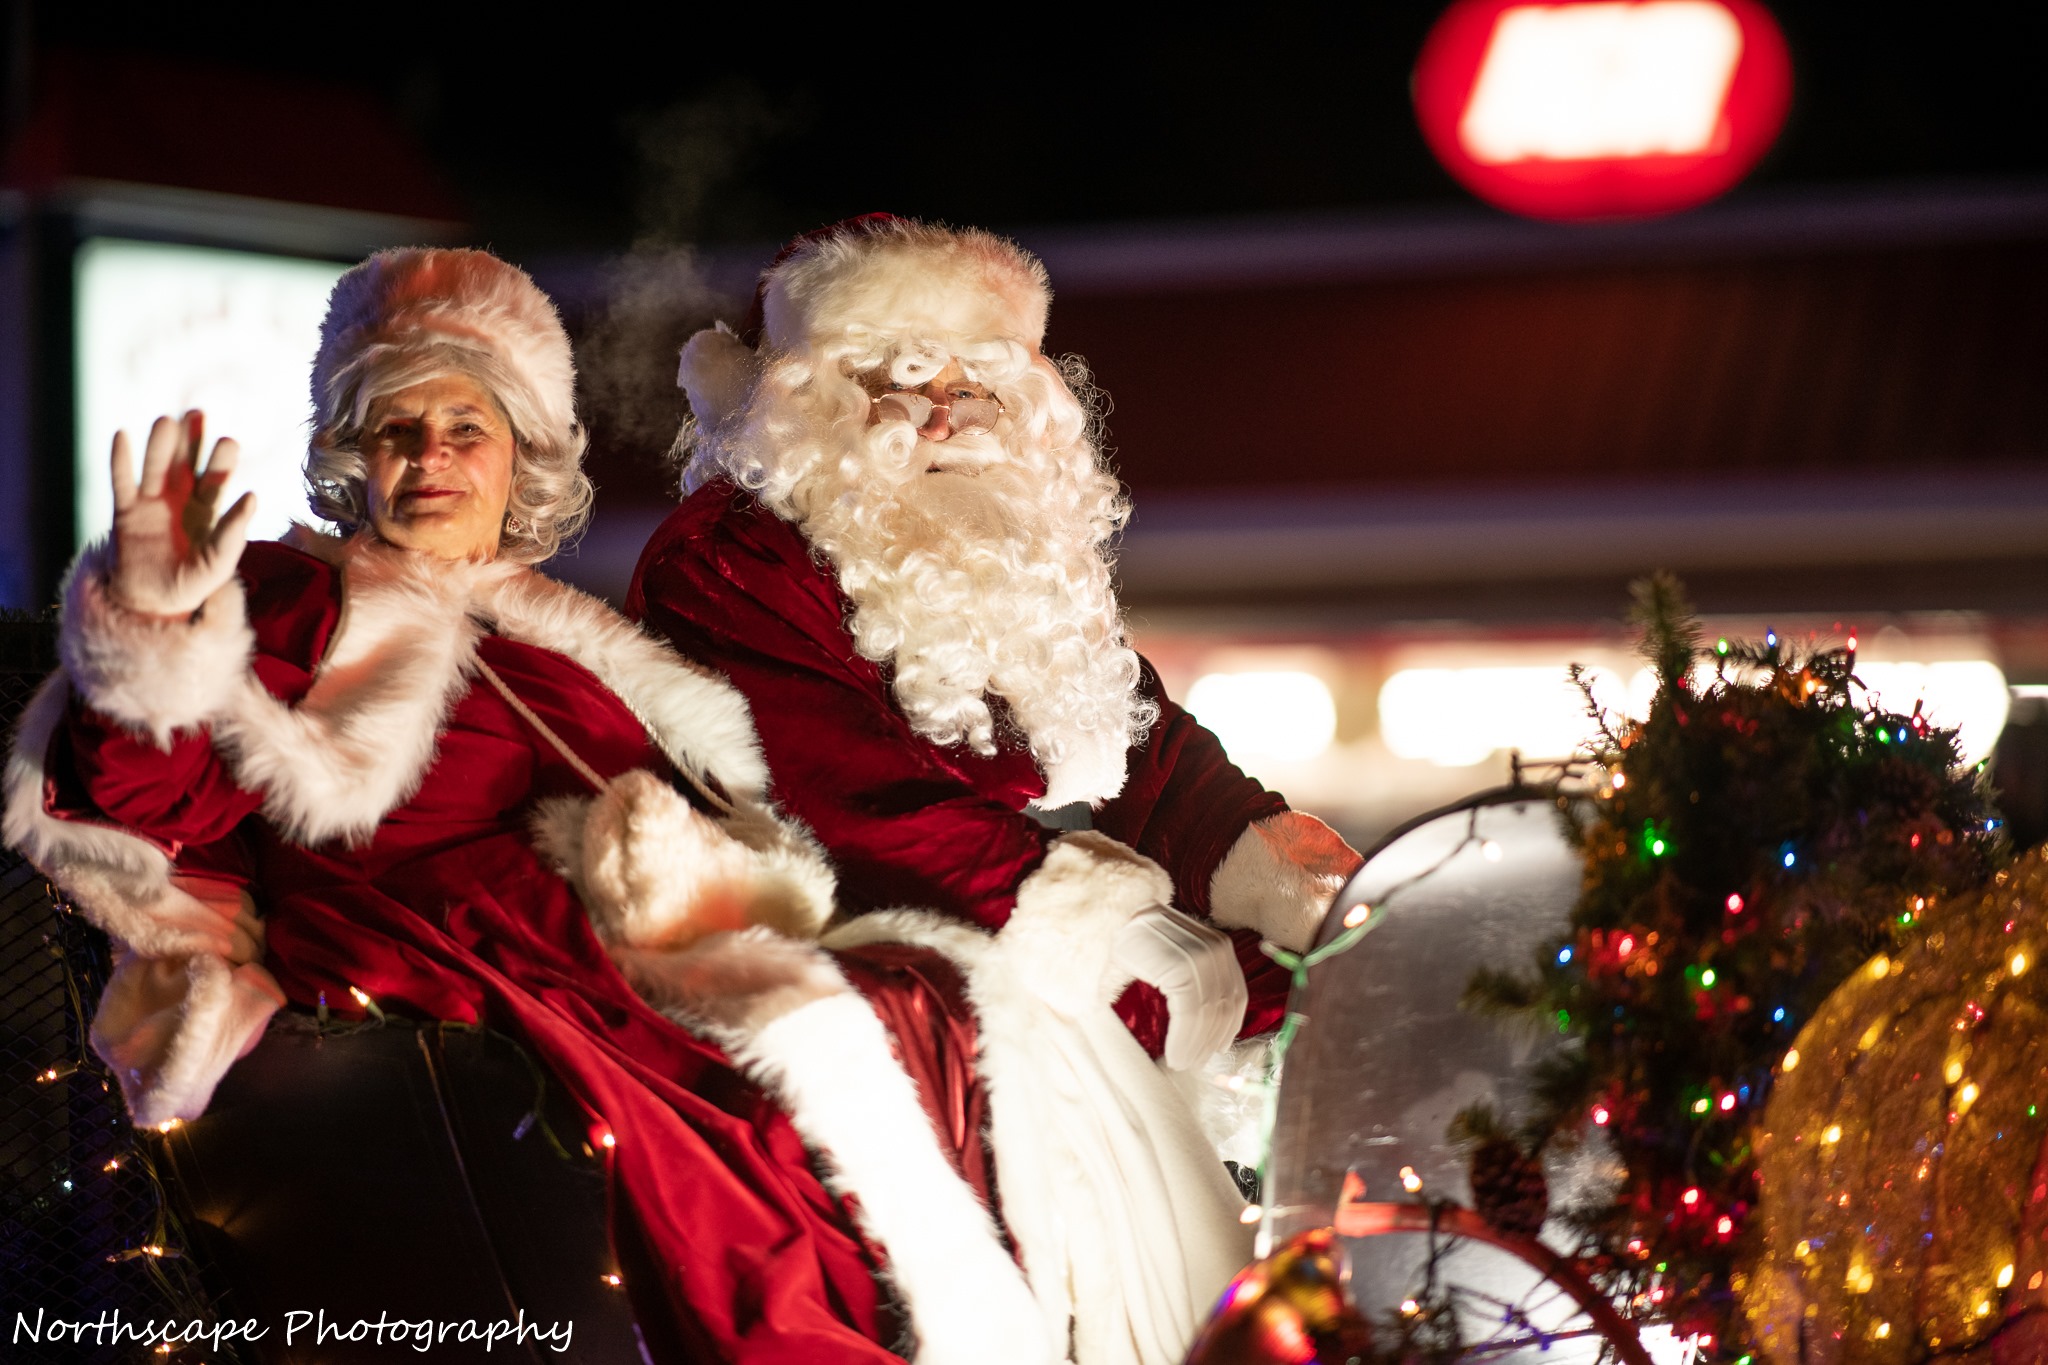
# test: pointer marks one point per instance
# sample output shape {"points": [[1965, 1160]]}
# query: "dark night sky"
{"points": [[595, 126]]}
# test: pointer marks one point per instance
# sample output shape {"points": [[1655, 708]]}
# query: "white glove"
{"points": [[1195, 967], [170, 554]]}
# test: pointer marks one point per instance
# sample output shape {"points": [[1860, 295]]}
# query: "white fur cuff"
{"points": [[155, 676], [171, 1028], [121, 882], [1279, 879]]}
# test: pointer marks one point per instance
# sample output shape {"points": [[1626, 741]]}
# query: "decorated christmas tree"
{"points": [[1766, 830]]}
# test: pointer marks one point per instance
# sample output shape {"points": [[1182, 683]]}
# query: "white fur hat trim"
{"points": [[878, 274], [901, 276], [411, 296]]}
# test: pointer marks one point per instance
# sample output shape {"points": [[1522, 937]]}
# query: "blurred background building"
{"points": [[1396, 454]]}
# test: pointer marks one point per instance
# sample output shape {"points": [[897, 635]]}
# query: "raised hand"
{"points": [[170, 552]]}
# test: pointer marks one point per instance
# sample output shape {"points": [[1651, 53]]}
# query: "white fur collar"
{"points": [[360, 741]]}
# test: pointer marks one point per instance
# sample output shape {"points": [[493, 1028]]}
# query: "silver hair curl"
{"points": [[551, 495]]}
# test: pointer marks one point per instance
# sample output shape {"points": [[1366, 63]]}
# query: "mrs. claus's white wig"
{"points": [[413, 314]]}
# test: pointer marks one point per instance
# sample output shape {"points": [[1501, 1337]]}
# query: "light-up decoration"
{"points": [[1455, 717], [164, 328], [1283, 715], [1572, 82], [1969, 694], [1601, 109]]}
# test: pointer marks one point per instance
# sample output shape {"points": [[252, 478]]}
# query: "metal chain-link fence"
{"points": [[85, 1234]]}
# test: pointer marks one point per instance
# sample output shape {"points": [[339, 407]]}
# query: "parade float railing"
{"points": [[85, 1228], [1363, 1165]]}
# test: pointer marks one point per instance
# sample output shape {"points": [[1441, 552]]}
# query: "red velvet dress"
{"points": [[732, 1248], [908, 822]]}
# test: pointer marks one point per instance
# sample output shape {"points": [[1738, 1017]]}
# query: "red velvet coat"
{"points": [[732, 1248], [908, 822]]}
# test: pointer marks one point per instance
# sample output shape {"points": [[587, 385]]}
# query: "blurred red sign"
{"points": [[1602, 108]]}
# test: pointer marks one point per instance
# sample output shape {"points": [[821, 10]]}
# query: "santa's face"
{"points": [[947, 405]]}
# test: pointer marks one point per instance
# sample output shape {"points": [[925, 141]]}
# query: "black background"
{"points": [[593, 127]]}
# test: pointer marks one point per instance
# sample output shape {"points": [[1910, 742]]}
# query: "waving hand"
{"points": [[170, 552]]}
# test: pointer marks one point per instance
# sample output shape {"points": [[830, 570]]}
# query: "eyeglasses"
{"points": [[964, 416]]}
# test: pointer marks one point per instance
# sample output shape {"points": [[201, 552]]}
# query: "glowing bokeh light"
{"points": [[1456, 717], [1571, 82], [1288, 715], [1602, 108]]}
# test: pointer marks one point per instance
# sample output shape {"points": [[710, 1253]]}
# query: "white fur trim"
{"points": [[1068, 912], [403, 297], [1093, 772], [700, 720], [729, 986], [176, 1012], [120, 882], [171, 1027], [790, 1023], [154, 676], [1126, 1221], [1280, 877], [360, 741], [717, 372], [655, 873], [830, 1066], [908, 278]]}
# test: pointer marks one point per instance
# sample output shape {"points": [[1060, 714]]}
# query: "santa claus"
{"points": [[897, 540]]}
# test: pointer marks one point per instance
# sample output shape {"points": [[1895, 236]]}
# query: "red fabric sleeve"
{"points": [[734, 588], [184, 799]]}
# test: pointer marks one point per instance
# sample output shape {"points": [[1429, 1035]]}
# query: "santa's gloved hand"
{"points": [[170, 554], [1195, 967]]}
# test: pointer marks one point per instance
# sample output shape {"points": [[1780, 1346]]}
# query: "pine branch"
{"points": [[1476, 1123], [1670, 631], [1502, 994]]}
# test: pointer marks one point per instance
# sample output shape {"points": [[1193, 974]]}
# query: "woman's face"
{"points": [[439, 461]]}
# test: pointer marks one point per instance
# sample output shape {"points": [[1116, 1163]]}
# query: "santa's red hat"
{"points": [[412, 298], [878, 274]]}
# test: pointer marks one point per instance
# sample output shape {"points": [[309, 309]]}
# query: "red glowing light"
{"points": [[1584, 109], [1601, 1114], [1690, 1197], [1627, 945], [1724, 1227], [1735, 904], [1727, 1103]]}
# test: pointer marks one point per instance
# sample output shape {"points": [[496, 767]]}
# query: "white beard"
{"points": [[990, 578]]}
